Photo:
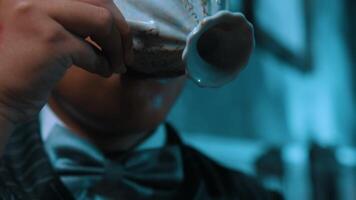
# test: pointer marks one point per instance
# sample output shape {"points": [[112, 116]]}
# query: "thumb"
{"points": [[89, 57]]}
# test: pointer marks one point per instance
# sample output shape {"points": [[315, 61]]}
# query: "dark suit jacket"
{"points": [[26, 173]]}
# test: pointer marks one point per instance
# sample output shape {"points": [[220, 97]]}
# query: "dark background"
{"points": [[289, 118]]}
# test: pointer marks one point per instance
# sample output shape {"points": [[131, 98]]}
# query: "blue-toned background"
{"points": [[290, 117]]}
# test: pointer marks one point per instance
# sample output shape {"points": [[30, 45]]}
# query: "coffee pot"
{"points": [[199, 37]]}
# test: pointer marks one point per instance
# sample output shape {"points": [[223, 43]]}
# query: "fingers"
{"points": [[88, 57], [121, 24], [84, 20], [126, 35]]}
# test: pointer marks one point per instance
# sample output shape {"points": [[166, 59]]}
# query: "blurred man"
{"points": [[101, 135]]}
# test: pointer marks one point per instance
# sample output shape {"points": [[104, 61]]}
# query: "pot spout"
{"points": [[218, 48]]}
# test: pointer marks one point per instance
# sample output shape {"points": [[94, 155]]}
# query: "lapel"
{"points": [[193, 186], [29, 165], [202, 177]]}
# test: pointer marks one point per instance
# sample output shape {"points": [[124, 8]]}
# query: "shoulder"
{"points": [[227, 182]]}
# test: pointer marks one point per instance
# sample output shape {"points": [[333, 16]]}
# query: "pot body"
{"points": [[188, 36]]}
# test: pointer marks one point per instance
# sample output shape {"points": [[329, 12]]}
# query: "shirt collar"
{"points": [[48, 120]]}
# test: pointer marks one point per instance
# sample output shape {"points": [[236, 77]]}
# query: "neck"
{"points": [[107, 142]]}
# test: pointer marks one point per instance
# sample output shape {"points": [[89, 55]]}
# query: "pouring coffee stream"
{"points": [[212, 48]]}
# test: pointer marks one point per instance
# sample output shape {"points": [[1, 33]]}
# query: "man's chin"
{"points": [[158, 75]]}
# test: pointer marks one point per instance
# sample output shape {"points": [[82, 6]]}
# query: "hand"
{"points": [[41, 39]]}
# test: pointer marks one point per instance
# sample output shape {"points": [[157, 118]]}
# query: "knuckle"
{"points": [[24, 7], [105, 20], [75, 47], [52, 34]]}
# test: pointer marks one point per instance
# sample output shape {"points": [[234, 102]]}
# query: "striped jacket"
{"points": [[26, 173]]}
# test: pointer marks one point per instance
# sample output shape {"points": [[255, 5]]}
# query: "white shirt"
{"points": [[48, 120]]}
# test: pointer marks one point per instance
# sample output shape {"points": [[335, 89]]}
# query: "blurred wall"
{"points": [[297, 87], [290, 117]]}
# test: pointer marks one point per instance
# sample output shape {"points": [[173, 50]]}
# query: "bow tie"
{"points": [[89, 175]]}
